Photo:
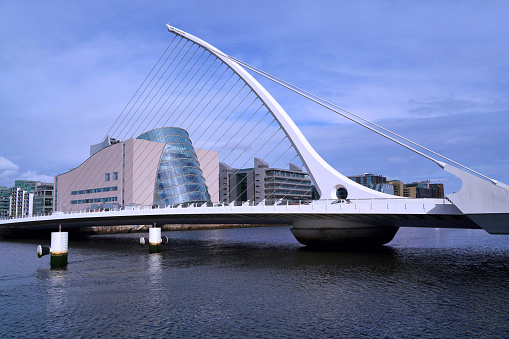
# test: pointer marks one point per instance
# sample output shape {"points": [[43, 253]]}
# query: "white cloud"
{"points": [[7, 165], [7, 174], [8, 169], [32, 175]]}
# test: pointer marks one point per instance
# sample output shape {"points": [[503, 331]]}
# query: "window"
{"points": [[107, 177], [341, 193], [115, 175], [95, 190], [88, 201]]}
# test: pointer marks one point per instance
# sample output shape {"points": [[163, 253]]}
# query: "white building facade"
{"points": [[20, 203]]}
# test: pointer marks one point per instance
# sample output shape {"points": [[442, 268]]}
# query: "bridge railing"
{"points": [[371, 205]]}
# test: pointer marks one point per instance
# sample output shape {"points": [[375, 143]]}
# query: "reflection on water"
{"points": [[156, 286], [260, 282], [57, 291]]}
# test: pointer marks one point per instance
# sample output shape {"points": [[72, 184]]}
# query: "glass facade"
{"points": [[43, 199], [26, 185], [368, 179], [179, 178]]}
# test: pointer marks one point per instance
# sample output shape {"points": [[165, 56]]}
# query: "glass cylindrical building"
{"points": [[179, 177]]}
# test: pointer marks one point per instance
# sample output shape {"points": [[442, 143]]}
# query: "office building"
{"points": [[264, 183], [21, 198], [368, 179], [398, 187], [20, 203], [160, 167], [4, 201], [437, 190], [418, 189], [375, 182], [26, 185], [43, 198]]}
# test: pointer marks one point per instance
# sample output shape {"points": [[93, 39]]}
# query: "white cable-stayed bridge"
{"points": [[232, 119]]}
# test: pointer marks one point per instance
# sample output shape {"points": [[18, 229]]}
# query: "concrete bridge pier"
{"points": [[341, 234]]}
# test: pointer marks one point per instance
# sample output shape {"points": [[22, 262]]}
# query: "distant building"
{"points": [[43, 198], [418, 189], [437, 190], [383, 187], [368, 179], [398, 187], [4, 201], [26, 185], [20, 203], [375, 182], [264, 183], [21, 198]]}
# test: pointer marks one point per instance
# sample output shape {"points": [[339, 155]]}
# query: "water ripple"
{"points": [[259, 283]]}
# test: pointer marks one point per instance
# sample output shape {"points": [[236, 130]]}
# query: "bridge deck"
{"points": [[436, 213]]}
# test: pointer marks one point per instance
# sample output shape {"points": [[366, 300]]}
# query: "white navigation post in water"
{"points": [[57, 250], [155, 240], [59, 246]]}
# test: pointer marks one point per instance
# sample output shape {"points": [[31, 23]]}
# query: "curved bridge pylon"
{"points": [[486, 202], [326, 179]]}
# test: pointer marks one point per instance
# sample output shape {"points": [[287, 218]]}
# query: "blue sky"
{"points": [[436, 72]]}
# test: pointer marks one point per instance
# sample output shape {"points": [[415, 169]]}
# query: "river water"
{"points": [[259, 282]]}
